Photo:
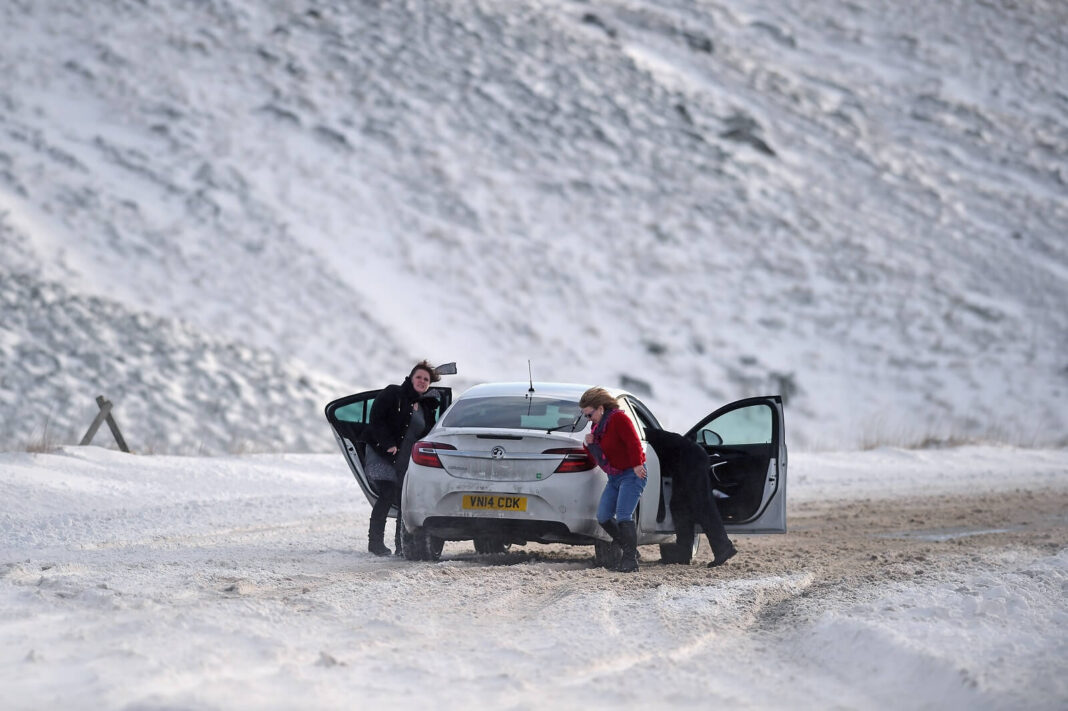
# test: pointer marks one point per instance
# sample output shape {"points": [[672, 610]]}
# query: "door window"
{"points": [[747, 425], [354, 412]]}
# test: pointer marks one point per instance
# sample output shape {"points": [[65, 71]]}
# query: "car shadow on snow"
{"points": [[527, 555], [576, 557]]}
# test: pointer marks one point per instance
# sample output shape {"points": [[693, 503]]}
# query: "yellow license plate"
{"points": [[494, 502]]}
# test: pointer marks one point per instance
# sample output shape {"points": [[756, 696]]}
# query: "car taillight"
{"points": [[426, 453], [575, 460]]}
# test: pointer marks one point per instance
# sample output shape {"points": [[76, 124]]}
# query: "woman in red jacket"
{"points": [[615, 445]]}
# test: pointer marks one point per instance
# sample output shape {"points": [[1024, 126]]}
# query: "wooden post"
{"points": [[105, 410], [102, 416]]}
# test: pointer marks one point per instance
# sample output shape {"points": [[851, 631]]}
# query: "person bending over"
{"points": [[686, 463]]}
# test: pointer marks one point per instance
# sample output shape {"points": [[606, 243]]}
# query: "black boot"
{"points": [[611, 561], [611, 528], [375, 533], [628, 541], [682, 551], [723, 552], [712, 523]]}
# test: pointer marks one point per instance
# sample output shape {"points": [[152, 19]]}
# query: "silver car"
{"points": [[505, 465]]}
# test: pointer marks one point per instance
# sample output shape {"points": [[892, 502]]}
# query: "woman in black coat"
{"points": [[400, 416]]}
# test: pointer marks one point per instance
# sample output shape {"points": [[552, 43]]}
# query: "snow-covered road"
{"points": [[908, 579]]}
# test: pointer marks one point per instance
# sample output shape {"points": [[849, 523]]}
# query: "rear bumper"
{"points": [[507, 530], [559, 509]]}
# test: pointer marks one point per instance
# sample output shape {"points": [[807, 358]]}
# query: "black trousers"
{"points": [[388, 495], [703, 510]]}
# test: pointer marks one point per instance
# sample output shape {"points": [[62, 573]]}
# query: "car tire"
{"points": [[680, 552], [423, 546], [490, 545]]}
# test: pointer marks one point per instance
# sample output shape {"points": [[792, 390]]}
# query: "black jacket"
{"points": [[686, 462], [391, 414]]}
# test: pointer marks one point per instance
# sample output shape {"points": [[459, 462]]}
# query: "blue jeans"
{"points": [[620, 497]]}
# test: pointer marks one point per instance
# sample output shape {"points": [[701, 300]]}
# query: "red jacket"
{"points": [[618, 439]]}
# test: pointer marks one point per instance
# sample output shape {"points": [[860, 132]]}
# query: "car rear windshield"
{"points": [[518, 412]]}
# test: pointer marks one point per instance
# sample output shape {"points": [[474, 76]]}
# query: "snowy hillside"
{"points": [[222, 214]]}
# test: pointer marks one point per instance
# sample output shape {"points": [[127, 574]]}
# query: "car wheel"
{"points": [[434, 546], [423, 546], [490, 545], [607, 554], [406, 545], [680, 552]]}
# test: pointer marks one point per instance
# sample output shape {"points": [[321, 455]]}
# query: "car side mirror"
{"points": [[446, 369], [710, 438]]}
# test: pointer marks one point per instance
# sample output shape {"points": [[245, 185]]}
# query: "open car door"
{"points": [[348, 417], [746, 445]]}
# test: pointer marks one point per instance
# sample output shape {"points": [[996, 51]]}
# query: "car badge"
{"points": [[497, 452]]}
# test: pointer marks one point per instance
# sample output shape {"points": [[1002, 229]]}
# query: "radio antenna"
{"points": [[530, 372]]}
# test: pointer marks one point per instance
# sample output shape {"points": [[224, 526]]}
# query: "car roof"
{"points": [[563, 391]]}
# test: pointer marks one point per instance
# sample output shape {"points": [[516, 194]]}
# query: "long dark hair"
{"points": [[425, 365]]}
